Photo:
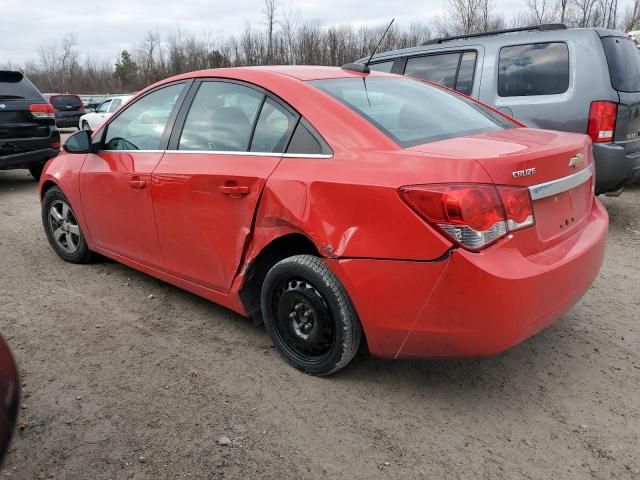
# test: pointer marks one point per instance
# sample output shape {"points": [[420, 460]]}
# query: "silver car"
{"points": [[583, 80]]}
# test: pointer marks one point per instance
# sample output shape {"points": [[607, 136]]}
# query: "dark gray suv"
{"points": [[573, 79]]}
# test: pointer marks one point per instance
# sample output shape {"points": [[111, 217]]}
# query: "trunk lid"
{"points": [[556, 167]]}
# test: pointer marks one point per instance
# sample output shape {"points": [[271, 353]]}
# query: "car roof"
{"points": [[499, 39], [299, 72]]}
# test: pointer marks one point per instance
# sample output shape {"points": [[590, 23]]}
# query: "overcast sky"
{"points": [[105, 28]]}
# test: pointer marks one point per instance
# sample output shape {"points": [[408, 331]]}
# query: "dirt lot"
{"points": [[126, 377]]}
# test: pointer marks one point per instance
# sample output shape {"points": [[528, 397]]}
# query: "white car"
{"points": [[93, 120]]}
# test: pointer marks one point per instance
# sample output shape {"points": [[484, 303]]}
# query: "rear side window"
{"points": [[624, 64], [273, 128], [382, 66], [304, 141], [534, 69], [14, 85], [412, 112], [440, 69], [221, 118], [453, 70]]}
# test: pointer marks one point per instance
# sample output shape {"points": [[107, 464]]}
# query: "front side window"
{"points": [[115, 104], [273, 128], [221, 118], [411, 112], [142, 124], [534, 69], [104, 107]]}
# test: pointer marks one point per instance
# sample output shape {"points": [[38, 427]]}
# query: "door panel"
{"points": [[204, 205], [116, 195], [115, 182]]}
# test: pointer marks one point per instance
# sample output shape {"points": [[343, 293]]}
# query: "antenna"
{"points": [[358, 67], [379, 42]]}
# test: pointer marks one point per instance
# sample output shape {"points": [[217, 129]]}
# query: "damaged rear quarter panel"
{"points": [[350, 207]]}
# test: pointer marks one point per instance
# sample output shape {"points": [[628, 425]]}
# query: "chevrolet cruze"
{"points": [[342, 208]]}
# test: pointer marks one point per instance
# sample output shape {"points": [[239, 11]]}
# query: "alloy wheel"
{"points": [[64, 227]]}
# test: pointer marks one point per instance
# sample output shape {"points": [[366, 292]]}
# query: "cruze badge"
{"points": [[576, 161], [524, 173]]}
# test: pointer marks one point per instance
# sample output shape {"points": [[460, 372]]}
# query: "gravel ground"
{"points": [[125, 377]]}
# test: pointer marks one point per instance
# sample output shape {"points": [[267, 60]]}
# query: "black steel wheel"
{"points": [[309, 315]]}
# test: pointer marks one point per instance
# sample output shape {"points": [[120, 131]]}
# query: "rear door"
{"points": [[115, 182], [623, 60], [208, 184]]}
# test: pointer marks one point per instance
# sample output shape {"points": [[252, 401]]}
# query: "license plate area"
{"points": [[558, 214]]}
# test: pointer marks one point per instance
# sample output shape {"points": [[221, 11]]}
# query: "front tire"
{"points": [[85, 125], [62, 228], [309, 315]]}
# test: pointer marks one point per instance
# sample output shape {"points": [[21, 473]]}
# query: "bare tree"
{"points": [[270, 8], [584, 11], [631, 19]]}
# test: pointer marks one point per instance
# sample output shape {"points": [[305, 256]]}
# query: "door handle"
{"points": [[234, 191], [137, 183]]}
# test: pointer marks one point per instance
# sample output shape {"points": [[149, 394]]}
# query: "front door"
{"points": [[206, 189], [115, 182]]}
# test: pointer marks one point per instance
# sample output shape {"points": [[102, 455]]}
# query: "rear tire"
{"points": [[309, 315], [36, 171], [62, 228]]}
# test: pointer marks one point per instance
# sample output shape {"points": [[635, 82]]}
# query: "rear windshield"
{"points": [[13, 85], [65, 102], [412, 112], [624, 63]]}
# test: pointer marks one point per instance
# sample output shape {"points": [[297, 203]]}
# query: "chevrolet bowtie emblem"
{"points": [[576, 161]]}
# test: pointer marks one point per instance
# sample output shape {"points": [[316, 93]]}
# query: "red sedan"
{"points": [[341, 208]]}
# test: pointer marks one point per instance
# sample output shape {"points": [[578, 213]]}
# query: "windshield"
{"points": [[624, 66], [412, 112]]}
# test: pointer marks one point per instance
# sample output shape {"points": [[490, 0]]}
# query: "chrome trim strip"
{"points": [[554, 187], [218, 152], [132, 151]]}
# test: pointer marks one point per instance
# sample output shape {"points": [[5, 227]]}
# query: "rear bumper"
{"points": [[614, 168], [25, 152], [471, 304], [27, 159], [68, 119]]}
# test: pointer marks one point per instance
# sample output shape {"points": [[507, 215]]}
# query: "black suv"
{"points": [[28, 132]]}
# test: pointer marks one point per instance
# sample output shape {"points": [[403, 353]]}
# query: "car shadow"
{"points": [[15, 180]]}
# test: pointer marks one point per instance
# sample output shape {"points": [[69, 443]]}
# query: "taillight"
{"points": [[42, 111], [517, 205], [472, 215], [602, 121]]}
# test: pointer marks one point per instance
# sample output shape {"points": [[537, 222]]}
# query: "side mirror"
{"points": [[79, 142]]}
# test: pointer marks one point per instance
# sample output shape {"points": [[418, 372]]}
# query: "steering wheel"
{"points": [[125, 142]]}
